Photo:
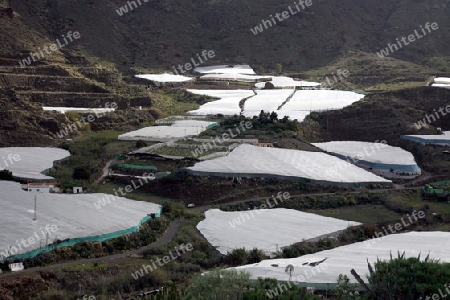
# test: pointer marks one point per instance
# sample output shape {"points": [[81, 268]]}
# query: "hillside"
{"points": [[162, 33], [97, 68]]}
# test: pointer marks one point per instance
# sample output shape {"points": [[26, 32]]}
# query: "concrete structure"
{"points": [[40, 187]]}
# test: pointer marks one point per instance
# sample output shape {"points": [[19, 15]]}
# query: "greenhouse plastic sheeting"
{"points": [[74, 241]]}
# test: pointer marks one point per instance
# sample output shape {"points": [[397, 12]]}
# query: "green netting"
{"points": [[361, 92], [303, 179], [160, 175], [212, 126], [97, 238], [136, 167], [439, 183]]}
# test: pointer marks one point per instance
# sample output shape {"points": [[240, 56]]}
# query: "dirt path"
{"points": [[166, 238], [105, 172]]}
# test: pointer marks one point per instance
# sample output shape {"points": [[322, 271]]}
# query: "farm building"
{"points": [[442, 82], [40, 187], [440, 140]]}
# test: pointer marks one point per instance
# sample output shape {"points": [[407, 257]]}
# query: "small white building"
{"points": [[77, 190], [39, 187], [16, 267]]}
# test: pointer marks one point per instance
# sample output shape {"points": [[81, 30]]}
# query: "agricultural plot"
{"points": [[82, 110], [267, 100], [251, 161], [440, 140], [190, 148], [265, 229], [381, 159], [75, 216], [287, 82], [355, 256], [228, 103], [179, 129], [29, 162], [318, 100], [234, 77], [225, 69], [165, 78], [442, 82]]}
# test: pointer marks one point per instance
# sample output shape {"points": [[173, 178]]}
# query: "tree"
{"points": [[269, 86], [293, 126], [273, 117], [218, 285], [81, 173], [344, 289], [255, 256], [6, 175], [285, 119], [278, 68], [263, 117], [236, 257], [141, 144], [406, 278]]}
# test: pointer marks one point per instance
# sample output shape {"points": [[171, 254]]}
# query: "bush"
{"points": [[6, 175], [81, 173]]}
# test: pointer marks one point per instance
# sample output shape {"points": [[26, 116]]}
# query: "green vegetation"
{"points": [[183, 152], [6, 175], [234, 285], [147, 234], [170, 105], [364, 213], [406, 278], [89, 154]]}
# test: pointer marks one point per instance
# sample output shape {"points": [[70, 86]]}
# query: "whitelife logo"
{"points": [[68, 38], [108, 198], [124, 9], [439, 296], [431, 118], [259, 210], [11, 158], [188, 66], [220, 139], [398, 227], [340, 75], [46, 232], [161, 262], [281, 16], [74, 126], [284, 287], [391, 48]]}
